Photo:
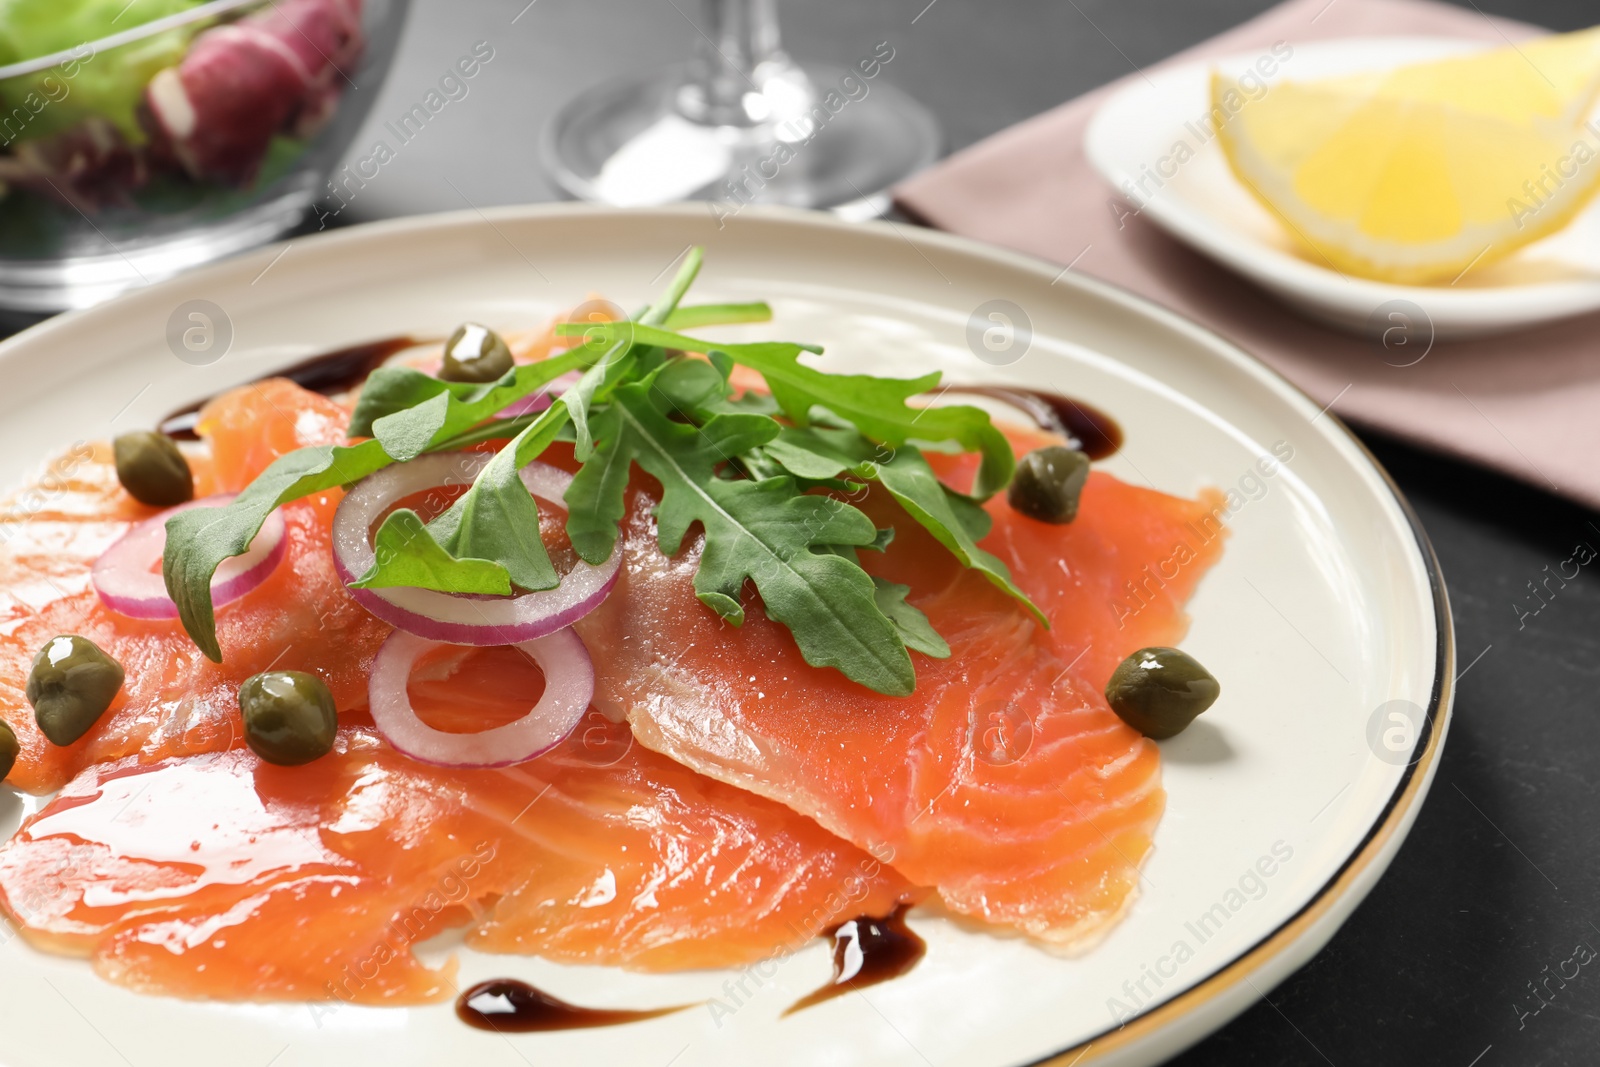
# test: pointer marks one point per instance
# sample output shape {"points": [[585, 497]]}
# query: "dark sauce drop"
{"points": [[1089, 430], [506, 1005], [867, 951], [331, 372]]}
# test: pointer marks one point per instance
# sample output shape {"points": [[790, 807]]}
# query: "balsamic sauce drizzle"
{"points": [[1089, 430], [331, 372], [506, 1005], [867, 951]]}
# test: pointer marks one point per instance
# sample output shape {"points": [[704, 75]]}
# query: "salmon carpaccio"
{"points": [[1005, 781], [767, 801]]}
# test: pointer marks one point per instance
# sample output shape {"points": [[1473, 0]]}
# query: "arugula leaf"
{"points": [[876, 406], [913, 626], [764, 531], [695, 316], [820, 452], [596, 501], [492, 430], [956, 521], [692, 387], [488, 539], [582, 396], [391, 389], [412, 412], [420, 560], [497, 520], [725, 464], [199, 539]]}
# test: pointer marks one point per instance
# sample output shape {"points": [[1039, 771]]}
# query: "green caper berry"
{"points": [[8, 749], [71, 685], [475, 354], [1048, 482], [1159, 691], [151, 468], [289, 717]]}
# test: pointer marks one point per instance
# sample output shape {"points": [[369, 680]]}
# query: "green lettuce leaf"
{"points": [[108, 84]]}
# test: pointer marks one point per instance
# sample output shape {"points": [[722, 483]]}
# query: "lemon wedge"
{"points": [[1417, 174]]}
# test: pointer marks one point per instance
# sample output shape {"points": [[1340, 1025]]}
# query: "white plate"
{"points": [[1135, 135], [1326, 606]]}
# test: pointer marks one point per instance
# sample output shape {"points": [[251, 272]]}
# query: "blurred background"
{"points": [[979, 65]]}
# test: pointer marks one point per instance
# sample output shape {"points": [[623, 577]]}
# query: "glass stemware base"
{"points": [[816, 137]]}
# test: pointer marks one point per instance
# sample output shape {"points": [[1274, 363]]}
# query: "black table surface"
{"points": [[1496, 884]]}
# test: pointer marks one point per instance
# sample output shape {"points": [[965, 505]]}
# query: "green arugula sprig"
{"points": [[745, 469], [411, 411]]}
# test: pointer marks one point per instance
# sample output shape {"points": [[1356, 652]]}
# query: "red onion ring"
{"points": [[568, 688], [452, 618], [528, 405], [129, 583], [539, 399]]}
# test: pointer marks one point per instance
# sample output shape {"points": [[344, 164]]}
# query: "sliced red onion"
{"points": [[528, 405], [452, 618], [128, 576], [568, 688], [539, 400]]}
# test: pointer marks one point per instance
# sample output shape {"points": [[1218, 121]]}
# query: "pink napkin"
{"points": [[1526, 403]]}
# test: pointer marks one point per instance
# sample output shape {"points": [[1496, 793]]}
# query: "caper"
{"points": [[1048, 482], [71, 685], [289, 717], [1159, 691], [151, 468], [8, 749], [475, 354]]}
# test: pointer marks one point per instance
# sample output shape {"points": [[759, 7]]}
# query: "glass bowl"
{"points": [[213, 129]]}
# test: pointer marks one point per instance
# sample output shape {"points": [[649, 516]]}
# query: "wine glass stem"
{"points": [[738, 43]]}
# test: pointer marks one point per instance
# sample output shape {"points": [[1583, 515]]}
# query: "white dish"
{"points": [[1202, 204], [1327, 606]]}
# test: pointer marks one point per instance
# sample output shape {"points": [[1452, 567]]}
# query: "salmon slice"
{"points": [[203, 876], [251, 426], [641, 863], [175, 701], [1111, 582], [222, 877], [1005, 780]]}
